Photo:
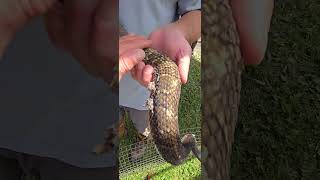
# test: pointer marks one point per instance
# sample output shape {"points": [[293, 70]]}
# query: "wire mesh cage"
{"points": [[150, 157]]}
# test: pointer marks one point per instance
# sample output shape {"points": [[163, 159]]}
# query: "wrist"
{"points": [[182, 29], [190, 26]]}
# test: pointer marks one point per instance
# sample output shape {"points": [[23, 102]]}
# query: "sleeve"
{"points": [[185, 6]]}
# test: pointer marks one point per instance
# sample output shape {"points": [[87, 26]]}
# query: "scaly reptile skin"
{"points": [[222, 65], [164, 106]]}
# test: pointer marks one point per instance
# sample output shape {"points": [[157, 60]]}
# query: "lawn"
{"points": [[278, 132], [188, 170]]}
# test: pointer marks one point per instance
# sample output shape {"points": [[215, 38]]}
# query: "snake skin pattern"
{"points": [[163, 104], [221, 77]]}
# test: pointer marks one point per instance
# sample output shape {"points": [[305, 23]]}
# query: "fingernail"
{"points": [[140, 54], [149, 71]]}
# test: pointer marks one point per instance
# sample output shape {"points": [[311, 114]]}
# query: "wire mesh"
{"points": [[150, 157]]}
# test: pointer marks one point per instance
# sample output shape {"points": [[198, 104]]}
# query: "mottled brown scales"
{"points": [[222, 66]]}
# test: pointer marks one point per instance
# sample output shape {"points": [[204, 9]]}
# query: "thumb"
{"points": [[55, 24], [183, 62], [129, 59], [25, 10]]}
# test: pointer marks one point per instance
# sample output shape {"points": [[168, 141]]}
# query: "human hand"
{"points": [[14, 14], [130, 52], [253, 22], [89, 31], [172, 42]]}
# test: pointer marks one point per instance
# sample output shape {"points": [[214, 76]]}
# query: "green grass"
{"points": [[188, 170], [190, 101], [278, 132]]}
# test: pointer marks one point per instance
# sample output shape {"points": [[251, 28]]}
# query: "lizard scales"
{"points": [[221, 77]]}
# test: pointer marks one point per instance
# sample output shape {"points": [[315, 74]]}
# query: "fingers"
{"points": [[105, 36], [147, 75], [105, 29], [36, 7], [137, 72], [55, 25], [130, 37], [253, 20], [129, 60], [133, 42], [142, 73], [78, 24], [183, 62]]}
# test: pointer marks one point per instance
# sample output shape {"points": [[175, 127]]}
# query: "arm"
{"points": [[190, 25]]}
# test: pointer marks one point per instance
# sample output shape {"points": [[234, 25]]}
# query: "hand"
{"points": [[170, 41], [130, 52], [173, 40], [88, 29], [14, 14], [253, 21]]}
